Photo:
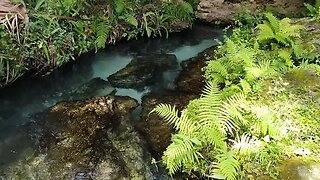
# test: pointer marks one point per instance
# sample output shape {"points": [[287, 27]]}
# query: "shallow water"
{"points": [[29, 96]]}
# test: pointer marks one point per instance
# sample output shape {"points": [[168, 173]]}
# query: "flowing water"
{"points": [[28, 96]]}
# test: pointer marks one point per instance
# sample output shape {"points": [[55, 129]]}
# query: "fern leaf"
{"points": [[185, 125], [131, 20], [215, 137], [274, 22], [182, 150], [228, 165], [246, 55], [266, 32], [169, 113], [187, 8], [102, 30], [246, 144], [231, 110], [246, 87], [119, 6], [217, 71], [290, 30], [312, 11], [211, 91], [285, 54]]}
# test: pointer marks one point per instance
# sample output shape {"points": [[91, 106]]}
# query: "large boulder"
{"points": [[91, 139], [142, 70], [225, 10]]}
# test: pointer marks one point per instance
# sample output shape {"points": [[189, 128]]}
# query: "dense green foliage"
{"points": [[313, 10], [264, 112], [60, 30]]}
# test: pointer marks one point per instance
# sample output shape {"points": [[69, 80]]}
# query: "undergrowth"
{"points": [[57, 31], [259, 109]]}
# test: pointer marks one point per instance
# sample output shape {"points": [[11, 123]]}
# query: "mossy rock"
{"points": [[91, 139]]}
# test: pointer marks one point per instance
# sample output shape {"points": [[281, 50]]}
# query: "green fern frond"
{"points": [[182, 124], [185, 125], [266, 32], [264, 124], [312, 10], [253, 73], [169, 113], [246, 87], [285, 54], [274, 22], [120, 6], [130, 19], [187, 8], [307, 66], [246, 55], [289, 30], [183, 149], [215, 137], [211, 91], [231, 111], [281, 31], [262, 69], [217, 71], [102, 30], [228, 166]]}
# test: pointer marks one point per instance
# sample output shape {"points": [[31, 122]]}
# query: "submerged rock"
{"points": [[142, 70], [94, 87], [91, 139]]}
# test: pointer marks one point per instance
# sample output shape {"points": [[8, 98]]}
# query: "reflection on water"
{"points": [[28, 96]]}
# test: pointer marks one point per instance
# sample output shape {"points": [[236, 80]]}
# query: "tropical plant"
{"points": [[278, 31], [238, 63], [214, 119], [60, 30]]}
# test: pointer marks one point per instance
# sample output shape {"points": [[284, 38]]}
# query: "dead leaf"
{"points": [[10, 9]]}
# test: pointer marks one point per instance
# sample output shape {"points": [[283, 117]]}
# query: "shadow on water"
{"points": [[31, 95]]}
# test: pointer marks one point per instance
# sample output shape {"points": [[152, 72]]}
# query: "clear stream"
{"points": [[29, 96]]}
